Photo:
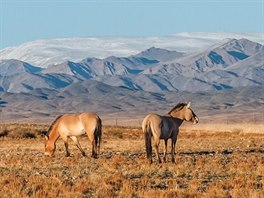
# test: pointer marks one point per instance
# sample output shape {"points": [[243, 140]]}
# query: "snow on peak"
{"points": [[55, 51]]}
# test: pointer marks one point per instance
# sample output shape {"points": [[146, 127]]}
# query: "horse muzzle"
{"points": [[195, 120]]}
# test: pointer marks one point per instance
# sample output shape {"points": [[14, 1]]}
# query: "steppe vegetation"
{"points": [[209, 163]]}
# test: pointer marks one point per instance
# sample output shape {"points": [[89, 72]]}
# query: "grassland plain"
{"points": [[209, 163]]}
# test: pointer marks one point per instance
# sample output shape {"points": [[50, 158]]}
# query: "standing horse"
{"points": [[165, 127], [72, 125]]}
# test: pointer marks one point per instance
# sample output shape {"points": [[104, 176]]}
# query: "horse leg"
{"points": [[65, 139], [156, 145], [165, 150], [94, 152], [75, 140], [92, 139], [173, 142]]}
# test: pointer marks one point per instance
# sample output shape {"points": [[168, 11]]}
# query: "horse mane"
{"points": [[53, 123], [178, 107]]}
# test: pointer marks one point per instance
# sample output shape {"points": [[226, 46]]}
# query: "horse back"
{"points": [[90, 120], [152, 122], [78, 123]]}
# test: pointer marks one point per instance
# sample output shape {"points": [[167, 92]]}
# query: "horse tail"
{"points": [[147, 132], [98, 134]]}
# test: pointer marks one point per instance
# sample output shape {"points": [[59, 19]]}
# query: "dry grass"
{"points": [[217, 127], [209, 164]]}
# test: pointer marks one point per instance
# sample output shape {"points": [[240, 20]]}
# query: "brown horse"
{"points": [[165, 127], [72, 125]]}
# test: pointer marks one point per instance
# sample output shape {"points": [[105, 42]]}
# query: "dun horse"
{"points": [[165, 127], [72, 125]]}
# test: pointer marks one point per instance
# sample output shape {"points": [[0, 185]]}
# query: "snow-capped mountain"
{"points": [[55, 51], [226, 75], [228, 64], [221, 56]]}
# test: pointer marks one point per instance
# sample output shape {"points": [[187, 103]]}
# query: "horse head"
{"points": [[190, 115], [49, 146], [183, 111]]}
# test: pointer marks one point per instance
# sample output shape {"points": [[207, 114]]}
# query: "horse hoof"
{"points": [[95, 156]]}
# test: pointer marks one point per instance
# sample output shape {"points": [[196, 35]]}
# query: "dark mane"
{"points": [[178, 107], [53, 123]]}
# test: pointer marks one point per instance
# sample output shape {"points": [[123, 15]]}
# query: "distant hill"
{"points": [[226, 75], [226, 65], [128, 107]]}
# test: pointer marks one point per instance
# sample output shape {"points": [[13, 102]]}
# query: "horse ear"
{"points": [[189, 105], [46, 137]]}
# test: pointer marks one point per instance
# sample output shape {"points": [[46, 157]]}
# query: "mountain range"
{"points": [[120, 84]]}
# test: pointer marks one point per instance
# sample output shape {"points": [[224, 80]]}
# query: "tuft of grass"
{"points": [[28, 135], [3, 133], [23, 130], [116, 133], [237, 130]]}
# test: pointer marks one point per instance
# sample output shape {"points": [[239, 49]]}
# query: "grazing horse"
{"points": [[72, 125], [165, 127]]}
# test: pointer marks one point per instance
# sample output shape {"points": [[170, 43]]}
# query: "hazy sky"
{"points": [[28, 20]]}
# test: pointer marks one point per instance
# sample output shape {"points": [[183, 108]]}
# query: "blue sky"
{"points": [[23, 21]]}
